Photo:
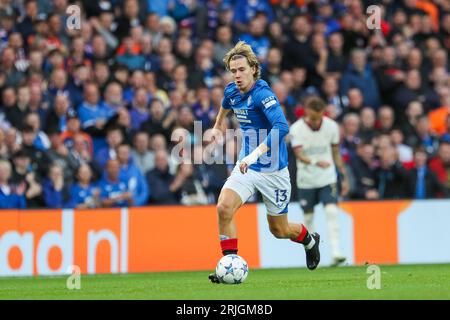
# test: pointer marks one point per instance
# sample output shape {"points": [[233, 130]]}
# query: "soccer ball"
{"points": [[232, 269]]}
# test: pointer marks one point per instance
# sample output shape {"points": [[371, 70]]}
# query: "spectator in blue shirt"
{"points": [[244, 10], [93, 114], [130, 173], [84, 193], [8, 198], [257, 40], [114, 137], [114, 191], [139, 109], [359, 75], [56, 193]]}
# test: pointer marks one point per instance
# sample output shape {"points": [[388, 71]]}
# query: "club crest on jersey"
{"points": [[270, 101]]}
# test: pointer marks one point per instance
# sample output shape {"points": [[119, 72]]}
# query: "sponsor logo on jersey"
{"points": [[270, 101]]}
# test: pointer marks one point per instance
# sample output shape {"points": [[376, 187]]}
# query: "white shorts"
{"points": [[275, 188]]}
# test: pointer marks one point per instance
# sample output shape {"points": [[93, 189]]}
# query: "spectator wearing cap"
{"points": [[8, 198], [130, 173], [84, 194], [26, 180], [56, 191], [423, 182], [360, 75]]}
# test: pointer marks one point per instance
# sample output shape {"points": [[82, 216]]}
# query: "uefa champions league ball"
{"points": [[232, 269]]}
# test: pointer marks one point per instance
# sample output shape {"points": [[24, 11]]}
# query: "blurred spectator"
{"points": [[114, 137], [363, 170], [391, 176], [59, 154], [223, 44], [57, 117], [84, 193], [26, 180], [55, 189], [159, 122], [245, 10], [386, 119], [165, 189], [141, 153], [8, 197], [355, 102], [41, 140], [114, 192], [297, 50], [330, 91], [367, 130], [405, 152], [360, 75], [130, 173], [441, 164], [271, 70], [423, 182], [93, 114], [350, 139], [424, 137], [256, 39], [192, 192], [39, 158], [139, 109], [73, 128]]}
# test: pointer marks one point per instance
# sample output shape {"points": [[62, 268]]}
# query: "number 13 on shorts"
{"points": [[280, 195]]}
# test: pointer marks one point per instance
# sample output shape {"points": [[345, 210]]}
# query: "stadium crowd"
{"points": [[87, 116]]}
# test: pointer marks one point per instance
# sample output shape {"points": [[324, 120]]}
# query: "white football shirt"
{"points": [[316, 145]]}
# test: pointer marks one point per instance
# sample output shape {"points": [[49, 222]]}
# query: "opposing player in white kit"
{"points": [[315, 140], [262, 164]]}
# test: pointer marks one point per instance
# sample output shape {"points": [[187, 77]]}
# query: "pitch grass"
{"points": [[397, 282]]}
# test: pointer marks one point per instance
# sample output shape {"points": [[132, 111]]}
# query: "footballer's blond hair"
{"points": [[243, 50]]}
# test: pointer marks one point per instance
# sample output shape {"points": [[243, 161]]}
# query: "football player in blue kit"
{"points": [[262, 164]]}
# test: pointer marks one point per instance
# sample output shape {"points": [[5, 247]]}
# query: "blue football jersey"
{"points": [[262, 121]]}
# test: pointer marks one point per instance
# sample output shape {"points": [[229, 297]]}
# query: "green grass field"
{"points": [[397, 282]]}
